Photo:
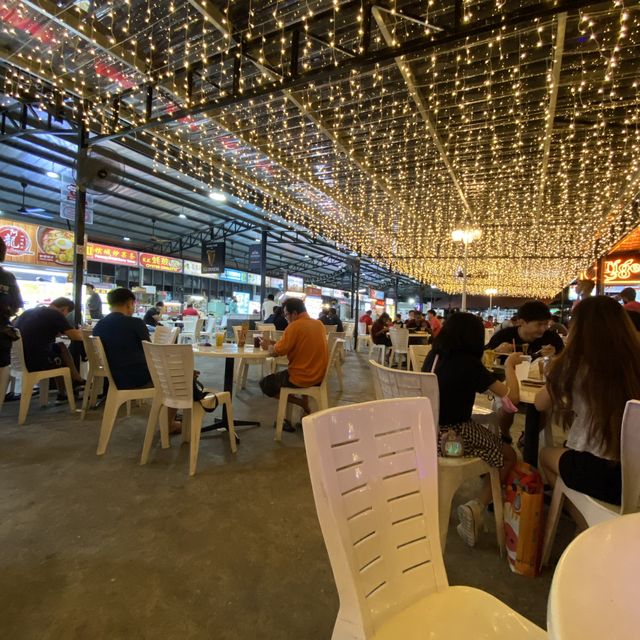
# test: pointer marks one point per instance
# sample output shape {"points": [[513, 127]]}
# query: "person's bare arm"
{"points": [[73, 334], [511, 386], [543, 400]]}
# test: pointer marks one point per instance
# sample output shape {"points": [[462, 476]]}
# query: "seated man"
{"points": [[152, 316], [39, 329], [304, 342], [533, 337], [190, 311], [122, 336], [331, 318]]}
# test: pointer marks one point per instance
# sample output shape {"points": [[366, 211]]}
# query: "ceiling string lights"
{"points": [[535, 135]]}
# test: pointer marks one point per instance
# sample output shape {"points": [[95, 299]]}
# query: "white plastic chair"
{"points": [[165, 335], [399, 346], [374, 476], [30, 378], [349, 329], [115, 397], [243, 364], [377, 351], [209, 329], [319, 394], [488, 333], [330, 328], [191, 330], [171, 369], [594, 593], [96, 375], [595, 511], [337, 338], [262, 326], [7, 381], [452, 472], [364, 339], [418, 354]]}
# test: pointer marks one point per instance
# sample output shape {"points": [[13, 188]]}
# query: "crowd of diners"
{"points": [[592, 368]]}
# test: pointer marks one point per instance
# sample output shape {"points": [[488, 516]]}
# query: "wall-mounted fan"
{"points": [[23, 208], [100, 175]]}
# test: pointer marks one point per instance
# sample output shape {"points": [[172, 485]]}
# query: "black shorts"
{"points": [[50, 359], [272, 383], [597, 477]]}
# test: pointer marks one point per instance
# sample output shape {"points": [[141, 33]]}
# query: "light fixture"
{"points": [[217, 196], [181, 215], [491, 293], [53, 174], [126, 239], [466, 236], [411, 300]]}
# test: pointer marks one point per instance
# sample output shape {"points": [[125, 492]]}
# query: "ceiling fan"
{"points": [[23, 208]]}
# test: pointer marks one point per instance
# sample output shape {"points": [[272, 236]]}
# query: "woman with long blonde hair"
{"points": [[587, 387]]}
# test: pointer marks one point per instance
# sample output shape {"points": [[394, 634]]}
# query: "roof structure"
{"points": [[361, 127]]}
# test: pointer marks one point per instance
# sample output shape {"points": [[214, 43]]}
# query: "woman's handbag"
{"points": [[208, 401]]}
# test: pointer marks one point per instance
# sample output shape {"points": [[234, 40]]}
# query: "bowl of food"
{"points": [[55, 245]]}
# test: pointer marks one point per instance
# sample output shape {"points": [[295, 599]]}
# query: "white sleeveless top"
{"points": [[578, 438]]}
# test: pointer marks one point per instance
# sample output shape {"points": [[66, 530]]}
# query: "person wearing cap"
{"points": [[628, 298]]}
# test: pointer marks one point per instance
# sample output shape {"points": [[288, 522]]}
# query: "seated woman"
{"points": [[588, 386], [456, 359], [380, 330]]}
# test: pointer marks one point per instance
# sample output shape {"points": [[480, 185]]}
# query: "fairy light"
{"points": [[358, 166]]}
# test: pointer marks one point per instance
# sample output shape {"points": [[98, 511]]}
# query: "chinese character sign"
{"points": [[160, 263], [68, 194]]}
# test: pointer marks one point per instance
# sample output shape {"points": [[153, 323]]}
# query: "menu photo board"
{"points": [[35, 244], [160, 263], [295, 283], [112, 255]]}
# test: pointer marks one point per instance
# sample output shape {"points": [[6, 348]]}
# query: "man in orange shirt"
{"points": [[304, 342]]}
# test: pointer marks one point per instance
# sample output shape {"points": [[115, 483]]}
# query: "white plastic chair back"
{"points": [[189, 324], [98, 357], [161, 335], [487, 335], [349, 328], [399, 340], [210, 325], [418, 354], [171, 369], [17, 355], [333, 337], [330, 328], [95, 362], [630, 457], [374, 475], [333, 354], [362, 328], [396, 383], [265, 326]]}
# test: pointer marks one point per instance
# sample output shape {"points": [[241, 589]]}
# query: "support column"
{"points": [[353, 292], [357, 299], [263, 269], [79, 227], [600, 276]]}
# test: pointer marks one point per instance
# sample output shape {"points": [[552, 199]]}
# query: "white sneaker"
{"points": [[471, 515]]}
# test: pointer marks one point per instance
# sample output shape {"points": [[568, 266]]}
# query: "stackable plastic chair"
{"points": [[595, 511], [191, 331], [418, 354], [171, 368], [243, 364], [265, 326], [394, 383], [30, 378], [364, 339], [96, 375], [399, 346], [209, 329], [115, 397], [338, 338], [349, 329], [7, 381], [374, 474], [165, 335], [330, 328], [594, 593], [319, 394]]}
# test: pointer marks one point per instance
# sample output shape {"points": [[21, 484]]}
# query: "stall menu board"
{"points": [[378, 295], [623, 269], [295, 283], [160, 263], [112, 255], [34, 244]]}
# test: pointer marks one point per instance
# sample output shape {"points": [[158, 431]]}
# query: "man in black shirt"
{"points": [[10, 302], [152, 316], [533, 331], [39, 329], [122, 336]]}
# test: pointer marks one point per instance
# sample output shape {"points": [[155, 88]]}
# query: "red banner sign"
{"points": [[160, 263], [111, 255], [33, 244]]}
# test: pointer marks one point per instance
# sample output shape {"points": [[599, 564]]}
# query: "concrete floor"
{"points": [[103, 548]]}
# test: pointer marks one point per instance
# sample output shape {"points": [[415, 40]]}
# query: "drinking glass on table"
{"points": [[219, 338]]}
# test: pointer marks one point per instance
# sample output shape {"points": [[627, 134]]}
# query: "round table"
{"points": [[230, 352], [594, 593]]}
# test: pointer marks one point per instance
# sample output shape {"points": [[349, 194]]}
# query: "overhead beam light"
{"points": [[53, 174], [126, 239], [217, 196], [181, 215]]}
